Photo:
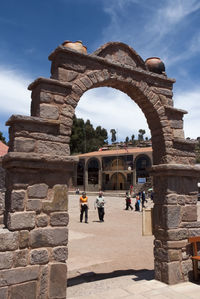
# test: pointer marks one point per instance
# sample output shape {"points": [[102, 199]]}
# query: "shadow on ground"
{"points": [[92, 276]]}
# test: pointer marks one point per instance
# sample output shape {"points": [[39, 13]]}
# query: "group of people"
{"points": [[140, 198], [99, 204]]}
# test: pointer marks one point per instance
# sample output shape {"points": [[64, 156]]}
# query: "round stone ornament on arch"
{"points": [[39, 168]]}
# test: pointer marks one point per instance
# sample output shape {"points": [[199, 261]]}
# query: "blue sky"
{"points": [[169, 29]]}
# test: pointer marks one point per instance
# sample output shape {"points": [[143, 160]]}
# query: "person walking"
{"points": [[137, 203], [128, 201], [143, 199], [99, 203], [84, 207]]}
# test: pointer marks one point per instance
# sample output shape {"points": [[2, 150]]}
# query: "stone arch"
{"points": [[149, 102], [39, 168]]}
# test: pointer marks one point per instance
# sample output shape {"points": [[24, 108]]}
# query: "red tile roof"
{"points": [[3, 149], [133, 150]]}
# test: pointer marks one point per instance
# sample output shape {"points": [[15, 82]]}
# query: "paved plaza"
{"points": [[112, 259]]}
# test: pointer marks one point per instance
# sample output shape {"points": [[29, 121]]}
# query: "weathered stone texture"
{"points": [[34, 205], [189, 213], [60, 254], [53, 148], [49, 111], [171, 216], [42, 220], [39, 256], [59, 200], [37, 191], [59, 219], [21, 220], [18, 275], [25, 290], [23, 238], [24, 145], [21, 258], [43, 282], [6, 260], [8, 240], [17, 200], [48, 237], [58, 278], [171, 273], [3, 293]]}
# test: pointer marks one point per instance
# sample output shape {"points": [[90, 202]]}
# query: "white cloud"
{"points": [[112, 109], [14, 96]]}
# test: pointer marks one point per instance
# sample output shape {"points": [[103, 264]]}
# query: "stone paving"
{"points": [[113, 259]]}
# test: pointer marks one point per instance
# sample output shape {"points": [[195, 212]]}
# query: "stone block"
{"points": [[189, 213], [25, 290], [8, 240], [171, 216], [6, 260], [59, 200], [191, 199], [60, 254], [181, 200], [19, 275], [37, 191], [23, 238], [45, 97], [43, 282], [39, 256], [4, 293], [187, 267], [42, 220], [17, 200], [26, 145], [57, 281], [59, 219], [58, 99], [174, 255], [176, 244], [49, 111], [1, 219], [177, 234], [21, 258], [34, 205], [171, 273], [21, 220], [171, 199], [48, 237], [68, 111], [53, 148]]}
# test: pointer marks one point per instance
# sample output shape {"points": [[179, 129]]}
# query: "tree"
{"points": [[2, 138], [85, 138], [113, 135], [141, 135], [127, 140]]}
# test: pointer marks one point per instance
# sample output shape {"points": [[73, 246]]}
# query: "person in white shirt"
{"points": [[99, 203]]}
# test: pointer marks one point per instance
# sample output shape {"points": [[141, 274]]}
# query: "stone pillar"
{"points": [[35, 236], [134, 177], [175, 219], [86, 180]]}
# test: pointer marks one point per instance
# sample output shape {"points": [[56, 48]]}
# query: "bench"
{"points": [[195, 257]]}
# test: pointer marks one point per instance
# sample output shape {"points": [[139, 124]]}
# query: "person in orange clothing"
{"points": [[84, 207]]}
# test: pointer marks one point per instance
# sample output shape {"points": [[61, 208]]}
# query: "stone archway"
{"points": [[118, 181], [39, 168]]}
